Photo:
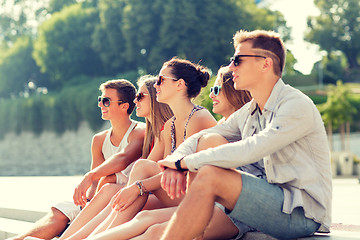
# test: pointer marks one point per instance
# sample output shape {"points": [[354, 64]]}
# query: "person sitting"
{"points": [[179, 81], [155, 114], [124, 139], [150, 224], [282, 126]]}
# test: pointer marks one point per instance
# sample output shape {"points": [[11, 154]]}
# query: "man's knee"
{"points": [[206, 179], [55, 215], [210, 140]]}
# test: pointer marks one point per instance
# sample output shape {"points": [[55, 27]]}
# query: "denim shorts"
{"points": [[260, 206]]}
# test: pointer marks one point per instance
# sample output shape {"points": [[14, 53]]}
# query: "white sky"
{"points": [[296, 13]]}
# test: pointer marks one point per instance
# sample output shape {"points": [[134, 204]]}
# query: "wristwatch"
{"points": [[178, 165]]}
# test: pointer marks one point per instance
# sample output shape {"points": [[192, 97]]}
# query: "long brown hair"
{"points": [[159, 114], [237, 98]]}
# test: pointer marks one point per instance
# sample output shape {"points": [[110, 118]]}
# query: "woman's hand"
{"points": [[125, 197]]}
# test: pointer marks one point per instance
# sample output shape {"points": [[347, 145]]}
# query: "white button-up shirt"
{"points": [[292, 143]]}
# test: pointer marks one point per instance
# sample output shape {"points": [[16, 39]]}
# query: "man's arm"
{"points": [[97, 159], [293, 120], [229, 130], [114, 164]]}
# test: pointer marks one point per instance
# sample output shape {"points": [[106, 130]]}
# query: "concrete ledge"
{"points": [[21, 215], [10, 227]]}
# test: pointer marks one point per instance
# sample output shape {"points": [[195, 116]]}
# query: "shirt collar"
{"points": [[272, 100]]}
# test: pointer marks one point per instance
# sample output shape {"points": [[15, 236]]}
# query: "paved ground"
{"points": [[39, 193]]}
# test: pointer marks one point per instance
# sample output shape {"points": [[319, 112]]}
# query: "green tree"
{"points": [[337, 28], [338, 111], [108, 38], [147, 33], [58, 5], [63, 48], [17, 68]]}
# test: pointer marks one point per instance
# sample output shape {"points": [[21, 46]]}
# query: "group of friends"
{"points": [[265, 166]]}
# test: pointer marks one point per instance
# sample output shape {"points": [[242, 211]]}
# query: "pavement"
{"points": [[38, 194]]}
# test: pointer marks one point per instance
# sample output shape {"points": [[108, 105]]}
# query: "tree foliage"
{"points": [[17, 68], [63, 48], [147, 33], [338, 108], [337, 28]]}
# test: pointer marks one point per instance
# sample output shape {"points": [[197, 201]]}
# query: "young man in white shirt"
{"points": [[113, 152]]}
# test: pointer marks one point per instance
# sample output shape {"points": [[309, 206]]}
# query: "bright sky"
{"points": [[296, 13]]}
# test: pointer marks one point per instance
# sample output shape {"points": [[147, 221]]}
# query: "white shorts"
{"points": [[69, 209]]}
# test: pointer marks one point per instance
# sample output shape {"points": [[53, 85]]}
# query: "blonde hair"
{"points": [[159, 114]]}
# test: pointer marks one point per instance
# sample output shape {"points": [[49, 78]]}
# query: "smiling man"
{"points": [[113, 153], [280, 125]]}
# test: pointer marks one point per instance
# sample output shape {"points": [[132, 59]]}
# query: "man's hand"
{"points": [[169, 162], [173, 182], [79, 196]]}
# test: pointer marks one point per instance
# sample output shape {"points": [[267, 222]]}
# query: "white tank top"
{"points": [[108, 149]]}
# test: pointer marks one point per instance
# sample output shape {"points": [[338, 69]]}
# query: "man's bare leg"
{"points": [[195, 211], [48, 227]]}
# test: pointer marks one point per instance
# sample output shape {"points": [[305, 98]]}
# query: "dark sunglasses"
{"points": [[162, 78], [237, 58], [106, 101], [215, 90], [140, 96]]}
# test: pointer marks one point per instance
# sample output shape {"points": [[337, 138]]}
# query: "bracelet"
{"points": [[143, 187], [139, 185], [178, 165]]}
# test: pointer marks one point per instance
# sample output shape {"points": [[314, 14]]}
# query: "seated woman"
{"points": [[178, 83], [155, 114], [150, 224]]}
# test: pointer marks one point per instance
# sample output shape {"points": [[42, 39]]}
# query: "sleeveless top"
{"points": [[108, 149], [173, 138]]}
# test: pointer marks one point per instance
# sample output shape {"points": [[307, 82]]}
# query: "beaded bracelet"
{"points": [[140, 186]]}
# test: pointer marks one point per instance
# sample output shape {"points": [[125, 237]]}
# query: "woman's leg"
{"points": [[93, 214], [104, 180], [220, 227], [142, 169], [138, 225]]}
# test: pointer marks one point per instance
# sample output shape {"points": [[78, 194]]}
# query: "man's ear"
{"points": [[268, 64], [125, 106]]}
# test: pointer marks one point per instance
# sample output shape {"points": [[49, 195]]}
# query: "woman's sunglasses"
{"points": [[140, 96], [237, 58], [215, 90], [106, 101], [160, 80]]}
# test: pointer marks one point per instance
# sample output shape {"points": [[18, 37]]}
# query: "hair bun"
{"points": [[204, 75]]}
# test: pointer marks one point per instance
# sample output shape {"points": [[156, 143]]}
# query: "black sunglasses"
{"points": [[106, 101], [237, 58], [215, 90], [140, 96], [162, 78]]}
